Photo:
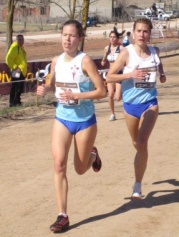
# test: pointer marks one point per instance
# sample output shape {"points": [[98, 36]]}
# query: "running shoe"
{"points": [[112, 117], [97, 164], [61, 224], [137, 192]]}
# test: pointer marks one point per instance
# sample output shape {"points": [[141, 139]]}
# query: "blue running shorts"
{"points": [[137, 110], [75, 127]]}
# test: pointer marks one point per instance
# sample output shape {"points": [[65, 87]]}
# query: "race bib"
{"points": [[150, 79], [61, 86]]}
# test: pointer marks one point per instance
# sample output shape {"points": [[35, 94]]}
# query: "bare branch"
{"points": [[60, 7]]}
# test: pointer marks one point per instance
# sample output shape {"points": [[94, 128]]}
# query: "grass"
{"points": [[30, 104]]}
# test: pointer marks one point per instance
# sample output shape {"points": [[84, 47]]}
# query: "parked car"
{"points": [[170, 13], [92, 21], [161, 15]]}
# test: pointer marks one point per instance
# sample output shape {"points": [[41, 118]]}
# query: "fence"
{"points": [[30, 84]]}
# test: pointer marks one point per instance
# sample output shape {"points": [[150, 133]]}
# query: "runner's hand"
{"points": [[162, 78], [139, 74], [41, 90]]}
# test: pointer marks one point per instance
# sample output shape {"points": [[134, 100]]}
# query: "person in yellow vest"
{"points": [[17, 62]]}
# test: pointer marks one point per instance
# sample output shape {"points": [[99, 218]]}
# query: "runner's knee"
{"points": [[140, 145], [59, 167]]}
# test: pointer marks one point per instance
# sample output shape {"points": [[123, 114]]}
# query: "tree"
{"points": [[122, 5], [74, 9], [77, 10], [10, 6], [85, 11], [9, 21]]}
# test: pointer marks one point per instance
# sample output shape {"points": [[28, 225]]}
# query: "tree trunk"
{"points": [[85, 11], [73, 9], [9, 22]]}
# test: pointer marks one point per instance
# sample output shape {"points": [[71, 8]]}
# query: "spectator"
{"points": [[116, 30], [154, 9], [115, 27], [17, 62], [126, 40]]}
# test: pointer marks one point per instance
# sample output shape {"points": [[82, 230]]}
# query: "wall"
{"points": [[103, 8], [26, 12], [100, 7]]}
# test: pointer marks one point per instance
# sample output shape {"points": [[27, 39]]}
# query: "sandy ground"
{"points": [[99, 204]]}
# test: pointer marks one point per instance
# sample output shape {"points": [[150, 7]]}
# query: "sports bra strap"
{"points": [[117, 49]]}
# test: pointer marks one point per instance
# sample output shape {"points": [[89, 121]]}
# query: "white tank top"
{"points": [[69, 75], [150, 64], [136, 92]]}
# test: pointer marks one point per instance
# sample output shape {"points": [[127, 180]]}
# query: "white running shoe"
{"points": [[137, 192], [112, 117]]}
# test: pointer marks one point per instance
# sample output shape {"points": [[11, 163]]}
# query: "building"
{"points": [[60, 12], [28, 11], [109, 9]]}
